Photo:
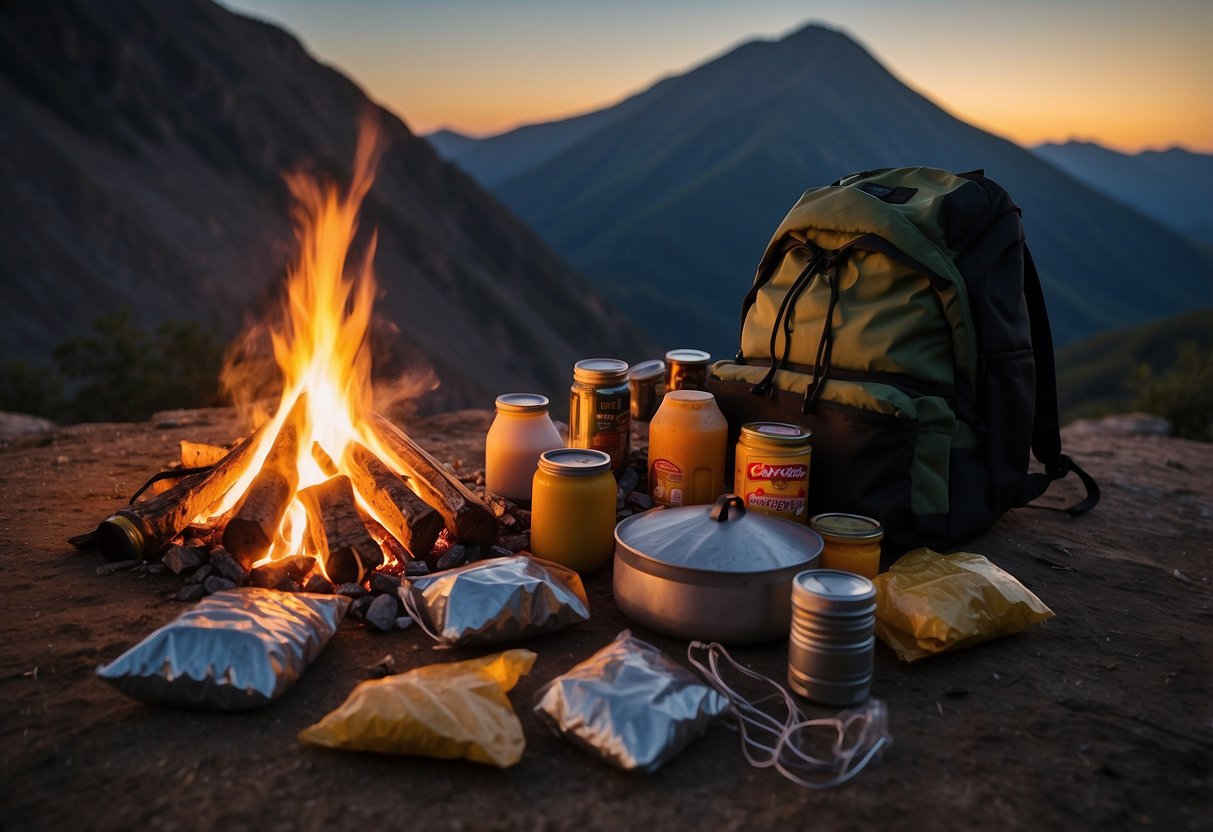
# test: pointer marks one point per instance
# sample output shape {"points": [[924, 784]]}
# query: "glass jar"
{"points": [[852, 543], [771, 469], [687, 369], [645, 380], [573, 509], [687, 442], [600, 408], [521, 431]]}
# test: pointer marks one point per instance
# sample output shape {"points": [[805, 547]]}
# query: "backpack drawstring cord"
{"points": [[784, 318], [825, 346]]}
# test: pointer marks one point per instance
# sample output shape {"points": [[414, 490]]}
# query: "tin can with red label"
{"points": [[771, 472]]}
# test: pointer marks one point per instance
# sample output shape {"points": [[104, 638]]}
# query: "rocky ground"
{"points": [[1099, 718]]}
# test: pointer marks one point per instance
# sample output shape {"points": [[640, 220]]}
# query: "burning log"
{"points": [[145, 528], [406, 516], [200, 454], [324, 460], [336, 533], [465, 516], [250, 532]]}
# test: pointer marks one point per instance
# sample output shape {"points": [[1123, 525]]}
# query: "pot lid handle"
{"points": [[720, 511]]}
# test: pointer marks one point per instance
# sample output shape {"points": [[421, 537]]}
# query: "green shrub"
{"points": [[1183, 394]]}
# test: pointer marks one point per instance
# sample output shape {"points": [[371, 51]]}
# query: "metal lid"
{"points": [[522, 403], [688, 356], [599, 370], [778, 432], [689, 399], [707, 539], [646, 370], [841, 526], [832, 590], [575, 462]]}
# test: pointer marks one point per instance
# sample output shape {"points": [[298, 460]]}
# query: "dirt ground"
{"points": [[1098, 719]]}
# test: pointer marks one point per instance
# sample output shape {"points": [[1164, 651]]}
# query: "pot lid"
{"points": [[719, 538]]}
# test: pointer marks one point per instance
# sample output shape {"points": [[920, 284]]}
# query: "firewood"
{"points": [[465, 516], [407, 518], [200, 454], [336, 533], [144, 529], [324, 460], [250, 532]]}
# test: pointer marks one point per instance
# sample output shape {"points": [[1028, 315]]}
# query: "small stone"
{"points": [[215, 583], [351, 590], [623, 514], [639, 501], [454, 556], [523, 517], [360, 606], [628, 481], [514, 542], [226, 566], [499, 552], [277, 574], [290, 586], [404, 622], [195, 543], [416, 569], [201, 574], [382, 583], [474, 553], [381, 614], [191, 592], [181, 560], [318, 583], [384, 667]]}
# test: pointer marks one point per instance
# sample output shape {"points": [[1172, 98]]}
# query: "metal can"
{"points": [[645, 380], [600, 408], [687, 369], [832, 645], [771, 469], [852, 542]]}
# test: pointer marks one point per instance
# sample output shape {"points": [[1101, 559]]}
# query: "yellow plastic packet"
{"points": [[929, 603], [456, 710]]}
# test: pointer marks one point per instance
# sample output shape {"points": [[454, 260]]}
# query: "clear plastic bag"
{"points": [[929, 603]]}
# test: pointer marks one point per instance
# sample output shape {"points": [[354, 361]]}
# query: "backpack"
{"points": [[898, 316]]}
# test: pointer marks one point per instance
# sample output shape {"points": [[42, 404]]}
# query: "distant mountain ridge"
{"points": [[141, 166], [667, 202], [1173, 186]]}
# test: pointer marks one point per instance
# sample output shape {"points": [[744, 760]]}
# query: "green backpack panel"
{"points": [[898, 316]]}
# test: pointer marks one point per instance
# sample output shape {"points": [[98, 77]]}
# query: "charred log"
{"points": [[405, 516], [336, 532]]}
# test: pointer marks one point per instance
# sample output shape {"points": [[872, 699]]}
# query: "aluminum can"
{"points": [[646, 381], [771, 469], [687, 369], [832, 644], [600, 409]]}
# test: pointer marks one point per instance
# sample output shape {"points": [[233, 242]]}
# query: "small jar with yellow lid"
{"points": [[852, 543], [573, 508]]}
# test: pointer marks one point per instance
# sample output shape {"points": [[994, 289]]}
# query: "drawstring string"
{"points": [[784, 317], [825, 346]]}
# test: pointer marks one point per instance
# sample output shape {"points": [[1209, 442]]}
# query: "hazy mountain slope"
{"points": [[1173, 186], [668, 209], [1098, 374], [140, 165]]}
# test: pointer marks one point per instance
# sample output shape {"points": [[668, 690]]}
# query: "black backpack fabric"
{"points": [[897, 314]]}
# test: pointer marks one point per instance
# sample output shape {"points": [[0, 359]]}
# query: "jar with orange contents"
{"points": [[573, 508], [852, 542]]}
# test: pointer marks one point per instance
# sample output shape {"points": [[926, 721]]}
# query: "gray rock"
{"points": [[181, 559], [383, 583], [416, 568], [217, 583], [191, 592], [404, 622], [201, 574], [360, 606], [452, 557], [318, 583], [381, 614], [227, 566], [350, 590]]}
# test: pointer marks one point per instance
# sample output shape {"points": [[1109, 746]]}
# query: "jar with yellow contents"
{"points": [[573, 508], [852, 542]]}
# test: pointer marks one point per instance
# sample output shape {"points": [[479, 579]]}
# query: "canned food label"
{"points": [[666, 481], [777, 488]]}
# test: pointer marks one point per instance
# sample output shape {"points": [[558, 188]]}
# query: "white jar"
{"points": [[521, 431]]}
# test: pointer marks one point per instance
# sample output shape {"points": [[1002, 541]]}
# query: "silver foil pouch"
{"points": [[629, 705], [234, 651], [495, 601]]}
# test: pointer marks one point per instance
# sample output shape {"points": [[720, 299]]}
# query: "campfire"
{"points": [[324, 491]]}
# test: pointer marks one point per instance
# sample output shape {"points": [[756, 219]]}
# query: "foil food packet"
{"points": [[235, 650], [629, 705], [495, 601]]}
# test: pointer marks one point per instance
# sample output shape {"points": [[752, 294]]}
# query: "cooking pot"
{"points": [[711, 573]]}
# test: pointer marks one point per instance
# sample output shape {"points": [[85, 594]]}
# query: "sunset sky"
{"points": [[1130, 75]]}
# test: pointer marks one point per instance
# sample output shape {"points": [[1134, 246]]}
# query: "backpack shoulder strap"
{"points": [[1046, 428]]}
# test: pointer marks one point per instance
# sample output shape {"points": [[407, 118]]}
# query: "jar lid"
{"points": [[779, 432], [832, 590], [688, 356], [701, 540], [598, 370], [646, 370], [575, 462], [689, 399], [847, 526], [522, 403]]}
